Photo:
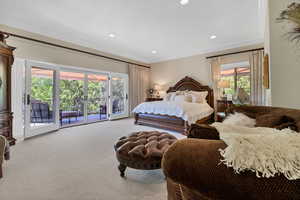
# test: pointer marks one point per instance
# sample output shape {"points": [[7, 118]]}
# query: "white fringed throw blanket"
{"points": [[265, 151]]}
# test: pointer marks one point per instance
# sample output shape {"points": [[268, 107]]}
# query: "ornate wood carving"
{"points": [[6, 115], [190, 84]]}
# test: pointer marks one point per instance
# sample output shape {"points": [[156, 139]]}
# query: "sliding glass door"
{"points": [[97, 97], [71, 96], [41, 114], [61, 97], [118, 96]]}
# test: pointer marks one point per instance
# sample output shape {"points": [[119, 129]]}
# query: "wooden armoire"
{"points": [[6, 115]]}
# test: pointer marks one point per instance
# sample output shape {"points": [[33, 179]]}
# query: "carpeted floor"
{"points": [[78, 164]]}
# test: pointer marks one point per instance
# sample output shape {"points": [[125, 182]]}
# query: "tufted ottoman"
{"points": [[142, 150]]}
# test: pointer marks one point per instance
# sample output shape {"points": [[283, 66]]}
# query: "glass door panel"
{"points": [[71, 109], [40, 109], [97, 93], [118, 96]]}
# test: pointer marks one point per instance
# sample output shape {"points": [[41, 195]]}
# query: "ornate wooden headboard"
{"points": [[190, 84]]}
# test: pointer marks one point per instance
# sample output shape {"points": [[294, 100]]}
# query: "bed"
{"points": [[171, 122]]}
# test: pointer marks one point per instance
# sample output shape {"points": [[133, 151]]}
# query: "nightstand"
{"points": [[153, 99], [222, 106]]}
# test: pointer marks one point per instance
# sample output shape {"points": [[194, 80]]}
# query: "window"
{"points": [[238, 75]]}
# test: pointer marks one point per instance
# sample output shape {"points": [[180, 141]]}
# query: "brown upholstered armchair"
{"points": [[193, 170], [2, 151]]}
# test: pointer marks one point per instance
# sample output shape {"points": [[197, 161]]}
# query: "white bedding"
{"points": [[190, 112]]}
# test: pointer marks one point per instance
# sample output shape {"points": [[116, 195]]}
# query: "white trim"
{"points": [[29, 131]]}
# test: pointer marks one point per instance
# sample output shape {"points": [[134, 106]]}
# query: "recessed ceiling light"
{"points": [[184, 2], [213, 37], [111, 35], [154, 52]]}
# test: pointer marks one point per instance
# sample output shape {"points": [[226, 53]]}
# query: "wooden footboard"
{"points": [[167, 122]]}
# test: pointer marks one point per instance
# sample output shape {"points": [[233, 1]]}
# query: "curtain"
{"points": [[258, 92], [215, 65], [139, 83]]}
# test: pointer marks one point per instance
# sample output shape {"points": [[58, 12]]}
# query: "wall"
{"points": [[42, 52], [284, 60], [168, 73]]}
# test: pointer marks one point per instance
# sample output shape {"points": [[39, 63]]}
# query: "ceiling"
{"points": [[142, 26]]}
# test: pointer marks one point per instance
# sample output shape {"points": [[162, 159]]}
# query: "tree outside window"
{"points": [[239, 78]]}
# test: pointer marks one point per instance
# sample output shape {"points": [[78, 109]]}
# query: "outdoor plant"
{"points": [[292, 14]]}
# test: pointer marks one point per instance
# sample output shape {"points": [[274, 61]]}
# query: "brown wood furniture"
{"points": [[171, 122], [266, 76], [149, 99], [222, 106], [6, 115]]}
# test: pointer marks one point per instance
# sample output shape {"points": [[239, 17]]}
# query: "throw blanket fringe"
{"points": [[267, 152]]}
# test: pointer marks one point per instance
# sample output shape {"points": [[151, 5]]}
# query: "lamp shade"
{"points": [[224, 84], [157, 87]]}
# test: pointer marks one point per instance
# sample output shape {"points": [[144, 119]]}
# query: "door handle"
{"points": [[28, 99]]}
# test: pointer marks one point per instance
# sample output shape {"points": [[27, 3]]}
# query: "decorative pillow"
{"points": [[188, 98], [240, 119], [199, 97], [168, 96], [179, 98], [173, 95]]}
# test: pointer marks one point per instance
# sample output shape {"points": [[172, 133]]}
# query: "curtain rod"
{"points": [[69, 48], [227, 54]]}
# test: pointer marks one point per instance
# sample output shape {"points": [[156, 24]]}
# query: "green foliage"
{"points": [[118, 92], [42, 89], [242, 82], [96, 96], [72, 93]]}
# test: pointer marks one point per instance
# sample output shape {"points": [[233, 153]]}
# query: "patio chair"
{"points": [[116, 106], [40, 112], [103, 110]]}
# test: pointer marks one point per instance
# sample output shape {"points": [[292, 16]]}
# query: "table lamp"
{"points": [[223, 84]]}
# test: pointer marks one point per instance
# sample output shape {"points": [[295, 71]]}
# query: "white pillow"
{"points": [[172, 98], [199, 97], [179, 98], [188, 98], [240, 119], [168, 96]]}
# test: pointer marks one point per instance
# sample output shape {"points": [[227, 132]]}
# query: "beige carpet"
{"points": [[78, 164]]}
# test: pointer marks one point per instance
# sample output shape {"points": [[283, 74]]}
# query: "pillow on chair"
{"points": [[240, 119]]}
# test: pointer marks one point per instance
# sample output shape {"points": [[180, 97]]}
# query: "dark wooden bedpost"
{"points": [[136, 118]]}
